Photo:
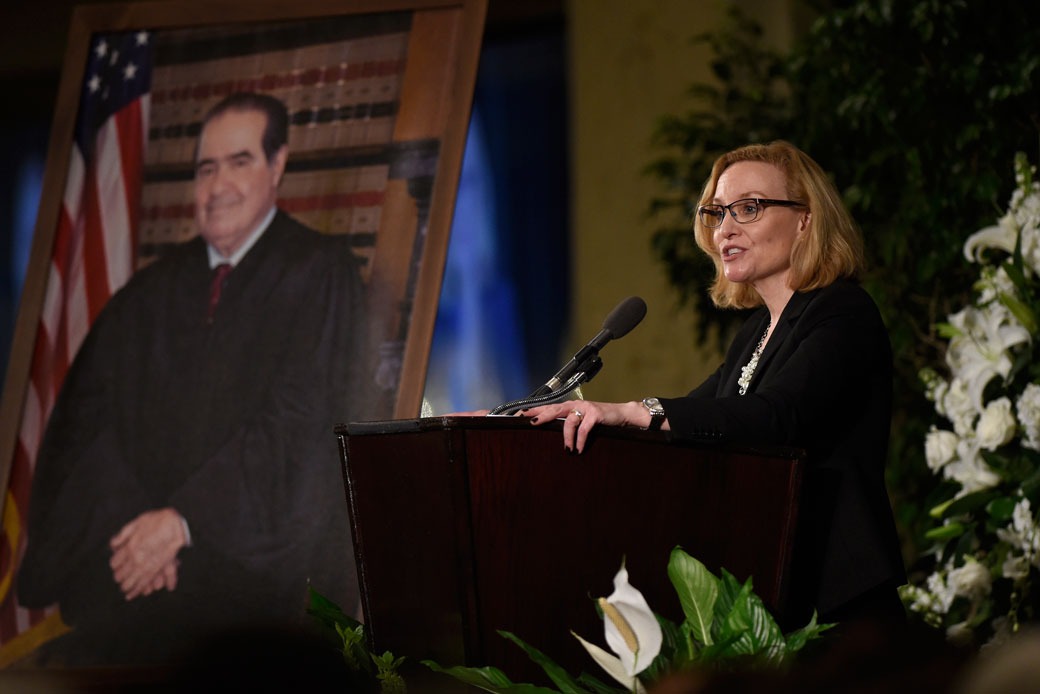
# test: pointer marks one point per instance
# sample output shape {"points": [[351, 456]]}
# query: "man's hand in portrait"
{"points": [[144, 552]]}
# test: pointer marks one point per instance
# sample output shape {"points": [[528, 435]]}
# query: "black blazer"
{"points": [[824, 383]]}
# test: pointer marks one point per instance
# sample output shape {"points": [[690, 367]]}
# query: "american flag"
{"points": [[92, 257]]}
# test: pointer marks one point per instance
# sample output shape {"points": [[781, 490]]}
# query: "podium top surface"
{"points": [[509, 422]]}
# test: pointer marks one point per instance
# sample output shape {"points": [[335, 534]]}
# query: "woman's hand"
{"points": [[581, 415]]}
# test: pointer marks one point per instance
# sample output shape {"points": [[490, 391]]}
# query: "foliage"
{"points": [[370, 672], [985, 551], [725, 623], [914, 108]]}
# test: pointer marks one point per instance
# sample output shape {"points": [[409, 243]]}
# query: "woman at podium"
{"points": [[811, 366]]}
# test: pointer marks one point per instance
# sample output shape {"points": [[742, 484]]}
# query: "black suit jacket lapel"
{"points": [[778, 340]]}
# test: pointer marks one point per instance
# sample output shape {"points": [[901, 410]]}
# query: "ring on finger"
{"points": [[578, 413]]}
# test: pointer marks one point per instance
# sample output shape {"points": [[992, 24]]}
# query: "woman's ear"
{"points": [[803, 223]]}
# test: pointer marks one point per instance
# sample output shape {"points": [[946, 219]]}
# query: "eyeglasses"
{"points": [[744, 211]]}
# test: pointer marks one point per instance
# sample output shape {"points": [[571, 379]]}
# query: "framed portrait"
{"points": [[377, 97]]}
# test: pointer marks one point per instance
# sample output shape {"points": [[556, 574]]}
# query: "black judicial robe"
{"points": [[230, 423], [824, 383]]}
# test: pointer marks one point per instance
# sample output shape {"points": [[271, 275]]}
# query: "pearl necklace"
{"points": [[748, 371]]}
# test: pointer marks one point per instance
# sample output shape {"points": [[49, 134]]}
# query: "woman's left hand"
{"points": [[579, 416]]}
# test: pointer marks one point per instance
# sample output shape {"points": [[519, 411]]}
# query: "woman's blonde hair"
{"points": [[829, 248]]}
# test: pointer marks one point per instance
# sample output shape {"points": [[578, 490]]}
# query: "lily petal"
{"points": [[1002, 236], [612, 665]]}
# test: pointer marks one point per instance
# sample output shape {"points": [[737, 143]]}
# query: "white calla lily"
{"points": [[631, 630]]}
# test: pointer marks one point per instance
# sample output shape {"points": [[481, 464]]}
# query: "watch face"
{"points": [[654, 405]]}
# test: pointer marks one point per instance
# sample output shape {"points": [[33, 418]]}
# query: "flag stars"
{"points": [[114, 58], [129, 71], [142, 38], [101, 49], [94, 84]]}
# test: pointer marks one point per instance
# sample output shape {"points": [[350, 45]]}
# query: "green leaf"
{"points": [[559, 676], [327, 612], [938, 511], [945, 532], [1021, 311], [796, 640], [765, 634], [947, 330], [1001, 509], [730, 590], [689, 652], [723, 648], [970, 502], [1017, 277], [697, 589], [489, 679], [739, 621]]}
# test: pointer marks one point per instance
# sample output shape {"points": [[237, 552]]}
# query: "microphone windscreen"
{"points": [[624, 317]]}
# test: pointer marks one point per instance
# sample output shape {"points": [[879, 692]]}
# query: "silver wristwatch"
{"points": [[653, 405]]}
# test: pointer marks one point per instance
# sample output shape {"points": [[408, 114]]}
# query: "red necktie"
{"points": [[216, 284]]}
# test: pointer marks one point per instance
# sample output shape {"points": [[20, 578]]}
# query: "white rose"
{"points": [[1015, 567], [996, 425], [939, 448], [1028, 409], [970, 581], [956, 404]]}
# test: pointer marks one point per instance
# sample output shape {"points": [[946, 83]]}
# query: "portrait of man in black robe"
{"points": [[188, 480]]}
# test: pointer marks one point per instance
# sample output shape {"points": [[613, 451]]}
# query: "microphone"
{"points": [[618, 323]]}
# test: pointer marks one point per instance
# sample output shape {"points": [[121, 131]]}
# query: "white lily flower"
{"points": [[982, 350], [969, 469], [631, 630], [1002, 236]]}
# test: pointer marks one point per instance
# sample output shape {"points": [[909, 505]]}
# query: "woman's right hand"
{"points": [[580, 416]]}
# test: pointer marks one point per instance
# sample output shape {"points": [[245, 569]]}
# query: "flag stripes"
{"points": [[92, 257]]}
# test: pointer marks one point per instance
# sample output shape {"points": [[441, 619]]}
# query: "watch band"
{"points": [[653, 405]]}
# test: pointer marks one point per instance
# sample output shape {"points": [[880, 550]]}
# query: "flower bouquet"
{"points": [[985, 546]]}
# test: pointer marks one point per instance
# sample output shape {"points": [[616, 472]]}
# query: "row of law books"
{"points": [[338, 95], [332, 201]]}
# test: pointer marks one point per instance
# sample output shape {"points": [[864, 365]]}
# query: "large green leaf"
{"points": [[739, 621], [969, 502], [489, 679], [729, 591], [765, 634], [559, 676], [697, 589], [732, 645]]}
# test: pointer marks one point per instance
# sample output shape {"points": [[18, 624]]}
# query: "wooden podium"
{"points": [[466, 525]]}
